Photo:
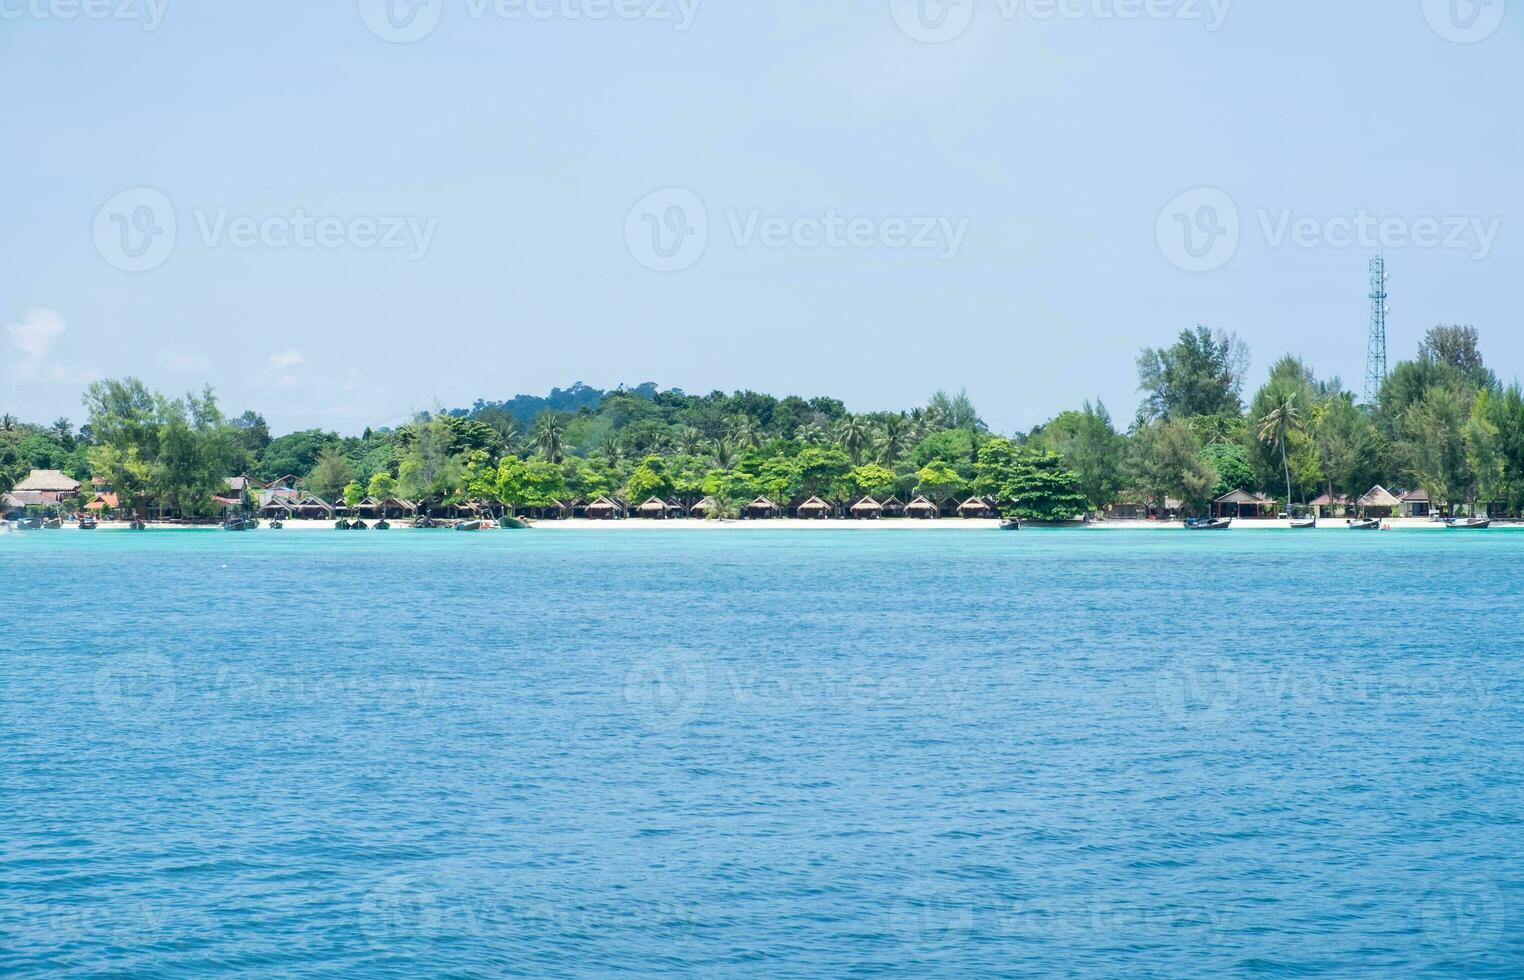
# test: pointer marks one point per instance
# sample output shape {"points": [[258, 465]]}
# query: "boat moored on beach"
{"points": [[1303, 523], [1208, 523], [1364, 524], [1468, 523]]}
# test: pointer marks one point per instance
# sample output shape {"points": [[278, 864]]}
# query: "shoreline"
{"points": [[947, 524]]}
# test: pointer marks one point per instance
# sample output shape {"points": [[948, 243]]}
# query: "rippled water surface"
{"points": [[781, 753]]}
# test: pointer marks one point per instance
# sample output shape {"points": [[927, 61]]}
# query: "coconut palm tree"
{"points": [[550, 438], [7, 422], [893, 438], [745, 434], [689, 440], [1277, 425], [724, 453], [611, 449], [853, 433]]}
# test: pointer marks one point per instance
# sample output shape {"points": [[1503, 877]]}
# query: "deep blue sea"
{"points": [[762, 753]]}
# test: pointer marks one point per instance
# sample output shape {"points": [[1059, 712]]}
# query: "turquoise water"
{"points": [[812, 753]]}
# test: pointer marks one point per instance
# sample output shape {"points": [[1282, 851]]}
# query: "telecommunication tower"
{"points": [[1375, 347]]}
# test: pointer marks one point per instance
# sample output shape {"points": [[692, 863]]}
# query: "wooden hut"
{"points": [[867, 509], [922, 509], [761, 508], [1241, 503], [976, 507], [894, 507], [1378, 501], [704, 508], [106, 504], [653, 509], [604, 509], [813, 509]]}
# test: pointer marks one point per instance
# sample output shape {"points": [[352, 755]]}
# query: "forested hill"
{"points": [[524, 408]]}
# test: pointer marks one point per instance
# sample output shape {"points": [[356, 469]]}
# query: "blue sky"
{"points": [[856, 199]]}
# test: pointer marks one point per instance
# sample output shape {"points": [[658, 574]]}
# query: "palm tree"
{"points": [[1276, 425], [612, 449], [811, 433], [7, 422], [689, 440], [893, 438], [745, 434], [63, 428], [724, 453], [550, 438], [853, 433]]}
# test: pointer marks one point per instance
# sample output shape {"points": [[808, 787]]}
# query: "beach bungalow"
{"points": [[762, 508], [1241, 503], [922, 510], [1329, 505], [976, 507], [52, 484], [604, 509], [813, 509], [1378, 501], [17, 501], [1414, 503], [653, 509], [704, 508], [310, 507], [867, 509], [894, 507], [106, 504]]}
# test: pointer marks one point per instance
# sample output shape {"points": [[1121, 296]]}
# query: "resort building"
{"points": [[762, 508], [867, 509], [605, 509], [52, 484], [105, 504], [1414, 503], [976, 507], [657, 509], [704, 508], [1378, 501], [1330, 505], [922, 509], [894, 507], [1241, 503], [813, 509]]}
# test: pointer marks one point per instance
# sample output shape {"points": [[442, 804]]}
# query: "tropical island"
{"points": [[1444, 434]]}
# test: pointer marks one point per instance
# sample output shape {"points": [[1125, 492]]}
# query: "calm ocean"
{"points": [[790, 753]]}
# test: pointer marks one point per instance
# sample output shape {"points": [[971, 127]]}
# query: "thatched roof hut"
{"points": [[867, 509], [922, 509], [894, 507], [762, 507], [1378, 498], [976, 507], [813, 509], [1236, 502], [19, 499], [48, 481], [655, 507], [604, 509], [703, 508]]}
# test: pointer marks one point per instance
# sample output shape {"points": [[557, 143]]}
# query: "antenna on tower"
{"points": [[1375, 347]]}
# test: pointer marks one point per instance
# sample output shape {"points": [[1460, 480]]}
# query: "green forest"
{"points": [[1442, 423]]}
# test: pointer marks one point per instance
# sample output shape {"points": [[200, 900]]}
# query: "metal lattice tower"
{"points": [[1375, 348]]}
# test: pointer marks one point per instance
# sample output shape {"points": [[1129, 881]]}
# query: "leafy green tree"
{"points": [[1042, 489], [1164, 460], [331, 475], [382, 486], [1231, 464], [938, 481], [1092, 449], [871, 480], [649, 479], [1435, 430], [352, 494], [1202, 373]]}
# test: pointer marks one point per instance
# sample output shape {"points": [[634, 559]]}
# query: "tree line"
{"points": [[1442, 423]]}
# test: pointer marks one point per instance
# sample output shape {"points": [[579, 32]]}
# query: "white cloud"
{"points": [[288, 358], [184, 363], [35, 335]]}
